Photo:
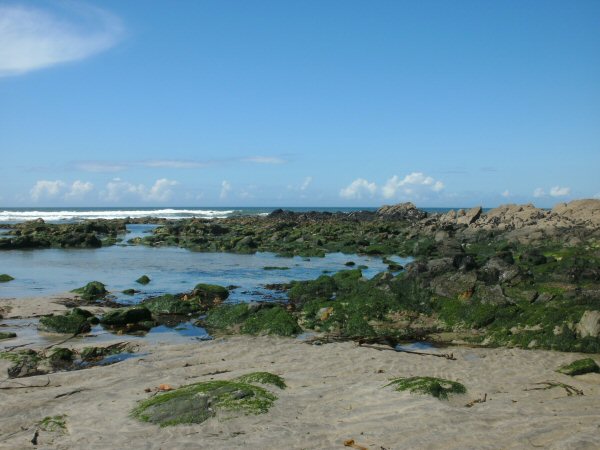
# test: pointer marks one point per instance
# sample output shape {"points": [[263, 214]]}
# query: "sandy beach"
{"points": [[335, 394]]}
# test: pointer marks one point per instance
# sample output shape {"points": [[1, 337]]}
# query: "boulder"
{"points": [[470, 216], [589, 324], [123, 316]]}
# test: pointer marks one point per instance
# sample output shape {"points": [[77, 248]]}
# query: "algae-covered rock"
{"points": [[144, 279], [437, 387], [275, 320], [61, 358], [123, 316], [91, 291], [75, 322], [129, 291], [169, 304], [210, 292], [198, 402], [580, 367], [25, 363], [7, 335], [263, 378], [4, 278]]}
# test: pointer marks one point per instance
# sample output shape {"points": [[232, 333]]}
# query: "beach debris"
{"points": [[353, 444], [477, 400], [198, 402], [545, 385], [436, 387], [164, 387], [580, 367]]}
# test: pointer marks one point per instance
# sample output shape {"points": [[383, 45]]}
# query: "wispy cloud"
{"points": [[306, 183], [357, 189], [99, 166], [32, 38], [505, 194], [539, 192], [119, 166], [264, 160], [174, 164]]}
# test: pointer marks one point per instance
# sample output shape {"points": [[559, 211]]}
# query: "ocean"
{"points": [[57, 215]]}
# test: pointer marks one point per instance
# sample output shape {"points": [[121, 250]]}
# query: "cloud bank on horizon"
{"points": [[207, 104]]}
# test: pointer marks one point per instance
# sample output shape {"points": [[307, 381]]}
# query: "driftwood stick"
{"points": [[478, 400], [449, 356], [545, 385]]}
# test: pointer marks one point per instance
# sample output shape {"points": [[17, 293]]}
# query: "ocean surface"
{"points": [[58, 215]]}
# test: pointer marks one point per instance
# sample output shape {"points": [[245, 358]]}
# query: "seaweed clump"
{"points": [[436, 387], [196, 403], [580, 367]]}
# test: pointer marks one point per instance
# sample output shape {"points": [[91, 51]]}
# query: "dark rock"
{"points": [[124, 316], [75, 322], [144, 279]]}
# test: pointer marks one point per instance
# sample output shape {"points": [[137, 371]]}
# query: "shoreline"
{"points": [[335, 393]]}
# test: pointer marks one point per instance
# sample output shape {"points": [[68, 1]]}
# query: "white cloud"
{"points": [[558, 191], [160, 191], [415, 183], [33, 38], [264, 160], [225, 188], [79, 189], [539, 192], [358, 188], [505, 194], [118, 189], [305, 183], [46, 188]]}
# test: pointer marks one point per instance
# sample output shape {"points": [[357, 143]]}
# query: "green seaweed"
{"points": [[436, 387], [263, 378], [53, 423], [580, 367], [198, 402]]}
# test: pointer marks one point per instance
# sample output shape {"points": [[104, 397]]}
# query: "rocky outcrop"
{"points": [[401, 211]]}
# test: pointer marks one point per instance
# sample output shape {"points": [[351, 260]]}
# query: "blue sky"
{"points": [[312, 103]]}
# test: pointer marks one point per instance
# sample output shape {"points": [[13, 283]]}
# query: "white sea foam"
{"points": [[70, 215]]}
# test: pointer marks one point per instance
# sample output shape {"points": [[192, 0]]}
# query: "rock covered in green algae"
{"points": [[169, 304], [195, 403], [436, 387], [122, 317], [92, 291], [253, 319], [5, 278], [75, 322], [7, 335], [580, 367], [210, 292], [144, 279], [25, 363], [86, 234]]}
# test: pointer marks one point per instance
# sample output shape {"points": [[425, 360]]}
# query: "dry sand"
{"points": [[335, 393]]}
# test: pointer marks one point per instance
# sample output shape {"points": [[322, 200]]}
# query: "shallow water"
{"points": [[172, 270]]}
